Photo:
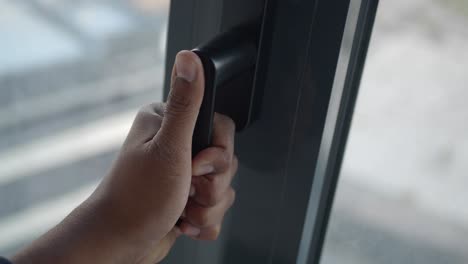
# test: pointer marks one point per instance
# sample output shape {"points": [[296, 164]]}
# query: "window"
{"points": [[402, 191], [72, 75]]}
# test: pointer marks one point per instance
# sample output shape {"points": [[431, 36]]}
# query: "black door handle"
{"points": [[229, 67]]}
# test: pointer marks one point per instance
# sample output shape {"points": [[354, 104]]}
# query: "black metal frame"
{"points": [[339, 123], [290, 157]]}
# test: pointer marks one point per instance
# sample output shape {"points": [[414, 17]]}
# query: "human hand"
{"points": [[155, 170], [210, 195], [132, 215]]}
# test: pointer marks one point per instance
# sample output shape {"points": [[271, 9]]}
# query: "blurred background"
{"points": [[402, 195], [74, 72]]}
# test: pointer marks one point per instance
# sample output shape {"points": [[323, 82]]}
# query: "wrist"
{"points": [[117, 238], [86, 235], [132, 235]]}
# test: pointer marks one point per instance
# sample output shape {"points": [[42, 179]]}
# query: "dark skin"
{"points": [[131, 217]]}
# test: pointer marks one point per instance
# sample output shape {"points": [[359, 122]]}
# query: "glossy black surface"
{"points": [[204, 127], [229, 65], [298, 59], [192, 22], [333, 148]]}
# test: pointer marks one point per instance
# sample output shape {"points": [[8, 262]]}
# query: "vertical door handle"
{"points": [[229, 67]]}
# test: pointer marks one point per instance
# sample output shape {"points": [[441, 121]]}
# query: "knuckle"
{"points": [[200, 217], [153, 106], [156, 105], [212, 233], [142, 114], [165, 150], [148, 113], [159, 108], [225, 161], [213, 198], [178, 103], [144, 109], [149, 108], [228, 156], [210, 192]]}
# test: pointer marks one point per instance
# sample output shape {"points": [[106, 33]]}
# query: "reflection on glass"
{"points": [[72, 75], [402, 193]]}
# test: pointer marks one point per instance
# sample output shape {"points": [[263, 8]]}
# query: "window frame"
{"points": [[291, 156]]}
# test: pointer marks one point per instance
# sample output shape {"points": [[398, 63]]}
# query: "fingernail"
{"points": [[191, 231], [192, 191], [203, 170], [185, 68]]}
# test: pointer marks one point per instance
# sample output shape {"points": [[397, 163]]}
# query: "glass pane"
{"points": [[72, 75], [402, 193]]}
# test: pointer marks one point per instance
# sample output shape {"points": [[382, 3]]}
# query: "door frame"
{"points": [[308, 77]]}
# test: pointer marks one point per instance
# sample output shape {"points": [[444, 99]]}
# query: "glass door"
{"points": [[310, 58], [401, 197], [74, 73]]}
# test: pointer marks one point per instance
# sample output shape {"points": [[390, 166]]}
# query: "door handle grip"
{"points": [[229, 64]]}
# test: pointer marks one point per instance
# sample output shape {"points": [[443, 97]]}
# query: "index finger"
{"points": [[224, 130]]}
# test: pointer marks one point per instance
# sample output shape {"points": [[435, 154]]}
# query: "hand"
{"points": [[131, 216], [211, 192]]}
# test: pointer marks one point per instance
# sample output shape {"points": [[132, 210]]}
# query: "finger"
{"points": [[217, 160], [223, 132], [211, 160], [157, 108], [189, 230], [200, 216], [210, 189], [207, 233], [146, 124], [183, 103]]}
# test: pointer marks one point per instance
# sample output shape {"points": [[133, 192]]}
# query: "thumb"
{"points": [[184, 100]]}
